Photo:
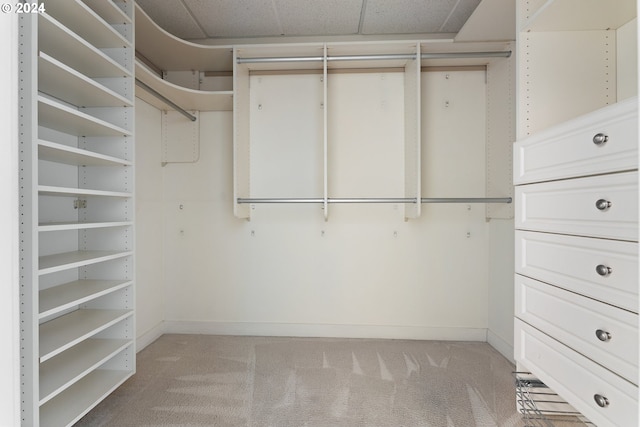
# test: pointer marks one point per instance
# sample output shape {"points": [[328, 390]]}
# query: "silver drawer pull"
{"points": [[602, 401], [600, 138], [603, 336], [603, 204], [603, 270]]}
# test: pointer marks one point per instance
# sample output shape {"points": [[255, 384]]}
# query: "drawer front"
{"points": [[568, 150], [606, 270], [577, 379], [605, 334], [603, 206]]}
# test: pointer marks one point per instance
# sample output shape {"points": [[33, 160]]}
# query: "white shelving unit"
{"points": [[575, 170], [77, 207]]}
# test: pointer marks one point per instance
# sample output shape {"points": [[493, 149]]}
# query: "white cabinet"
{"points": [[575, 170], [76, 207]]}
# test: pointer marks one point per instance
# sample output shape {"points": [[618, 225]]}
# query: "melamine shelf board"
{"points": [[46, 190], [66, 331], [64, 370], [82, 20], [68, 407], [57, 41], [65, 83], [62, 226], [59, 298], [168, 52], [581, 15], [109, 11], [188, 99], [65, 119], [60, 153], [68, 260]]}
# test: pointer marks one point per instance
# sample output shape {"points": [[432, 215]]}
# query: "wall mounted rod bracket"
{"points": [[166, 100]]}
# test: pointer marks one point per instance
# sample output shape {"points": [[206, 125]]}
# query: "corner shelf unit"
{"points": [[163, 62], [76, 206]]}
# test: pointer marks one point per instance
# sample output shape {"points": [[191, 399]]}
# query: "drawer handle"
{"points": [[600, 139], [603, 270], [603, 336], [603, 204], [602, 401]]}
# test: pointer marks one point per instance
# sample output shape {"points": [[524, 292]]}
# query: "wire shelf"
{"points": [[542, 407]]}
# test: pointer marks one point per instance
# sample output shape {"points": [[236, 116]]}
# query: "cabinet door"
{"points": [[605, 334], [606, 270], [604, 206], [577, 379], [603, 141]]}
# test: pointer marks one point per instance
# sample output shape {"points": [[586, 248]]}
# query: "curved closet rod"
{"points": [[166, 100], [380, 200], [494, 54]]}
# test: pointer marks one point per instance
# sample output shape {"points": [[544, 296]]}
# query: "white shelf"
{"points": [[68, 260], [59, 153], [82, 20], [64, 226], [168, 52], [65, 119], [64, 370], [581, 15], [63, 297], [68, 407], [109, 11], [188, 99], [57, 41], [45, 190], [65, 83], [66, 331]]}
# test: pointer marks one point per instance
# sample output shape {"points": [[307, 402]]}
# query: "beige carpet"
{"points": [[200, 380]]}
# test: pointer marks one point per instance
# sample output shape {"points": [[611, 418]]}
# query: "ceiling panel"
{"points": [[319, 17], [460, 15], [174, 17], [236, 18], [406, 16]]}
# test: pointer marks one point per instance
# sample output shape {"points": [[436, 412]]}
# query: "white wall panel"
{"points": [[363, 272], [149, 229]]}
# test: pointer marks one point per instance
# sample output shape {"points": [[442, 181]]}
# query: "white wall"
{"points": [[9, 252], [364, 272], [149, 225]]}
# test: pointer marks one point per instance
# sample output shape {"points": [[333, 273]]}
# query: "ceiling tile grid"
{"points": [[228, 19]]}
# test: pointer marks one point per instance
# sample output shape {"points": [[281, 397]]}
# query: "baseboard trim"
{"points": [[501, 345], [325, 330], [150, 336]]}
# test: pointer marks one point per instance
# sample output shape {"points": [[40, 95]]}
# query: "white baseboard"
{"points": [[322, 330], [150, 336], [503, 346]]}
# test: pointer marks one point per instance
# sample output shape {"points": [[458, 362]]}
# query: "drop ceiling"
{"points": [[238, 19]]}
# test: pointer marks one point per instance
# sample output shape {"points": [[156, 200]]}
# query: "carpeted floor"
{"points": [[201, 380]]}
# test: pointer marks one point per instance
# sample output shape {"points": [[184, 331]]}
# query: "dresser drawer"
{"points": [[603, 206], [605, 334], [606, 270], [568, 150], [577, 379]]}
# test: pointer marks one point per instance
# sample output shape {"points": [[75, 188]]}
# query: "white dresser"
{"points": [[576, 254]]}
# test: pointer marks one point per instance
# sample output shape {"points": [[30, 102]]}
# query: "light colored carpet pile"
{"points": [[200, 380]]}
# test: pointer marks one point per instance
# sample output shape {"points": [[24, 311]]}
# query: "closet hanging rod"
{"points": [[448, 55], [166, 100], [379, 200]]}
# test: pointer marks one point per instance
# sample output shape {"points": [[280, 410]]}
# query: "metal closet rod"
{"points": [[380, 200], [166, 100], [446, 55]]}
